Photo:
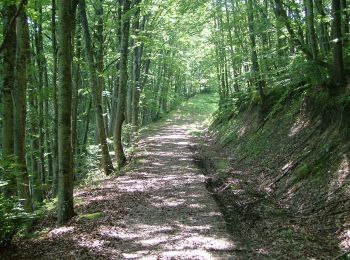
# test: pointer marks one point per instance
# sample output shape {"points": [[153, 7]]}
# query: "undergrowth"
{"points": [[295, 154]]}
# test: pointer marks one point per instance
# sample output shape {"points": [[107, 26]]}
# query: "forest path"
{"points": [[158, 209], [178, 217]]}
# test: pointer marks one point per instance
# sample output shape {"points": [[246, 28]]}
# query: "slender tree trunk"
{"points": [[129, 95], [122, 91], [256, 69], [9, 58], [162, 100], [345, 21], [311, 28], [113, 114], [100, 58], [230, 38], [137, 88], [281, 15], [86, 129], [145, 73], [76, 86], [338, 74], [55, 102], [117, 81], [143, 109], [136, 74], [40, 62], [324, 35], [23, 50], [96, 90], [33, 104], [36, 188], [65, 180], [221, 54], [47, 117]]}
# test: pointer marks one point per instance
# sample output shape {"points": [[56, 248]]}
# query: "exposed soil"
{"points": [[258, 221], [158, 209], [283, 182]]}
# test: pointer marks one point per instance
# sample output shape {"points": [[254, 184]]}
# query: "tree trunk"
{"points": [[116, 84], [86, 129], [100, 59], [122, 91], [129, 95], [9, 58], [23, 50], [338, 74], [40, 63], [324, 35], [281, 15], [65, 180], [47, 121], [256, 69], [76, 86], [136, 74], [345, 21], [55, 103], [311, 28], [96, 92], [33, 104], [230, 38]]}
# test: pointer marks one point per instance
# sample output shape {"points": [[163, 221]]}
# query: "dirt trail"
{"points": [[158, 210], [179, 218]]}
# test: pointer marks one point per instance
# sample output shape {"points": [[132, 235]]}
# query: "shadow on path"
{"points": [[159, 210]]}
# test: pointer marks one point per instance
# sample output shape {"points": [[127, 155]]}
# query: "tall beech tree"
{"points": [[9, 59], [20, 107], [65, 172], [338, 73], [54, 51], [40, 60], [96, 88], [123, 81], [309, 4], [260, 83], [136, 69]]}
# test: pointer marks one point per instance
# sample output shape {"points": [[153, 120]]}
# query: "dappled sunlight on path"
{"points": [[177, 218], [159, 209]]}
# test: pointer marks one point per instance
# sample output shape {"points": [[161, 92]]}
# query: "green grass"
{"points": [[198, 109], [91, 216], [222, 164]]}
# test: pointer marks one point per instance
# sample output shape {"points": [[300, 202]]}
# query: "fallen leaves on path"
{"points": [[158, 210]]}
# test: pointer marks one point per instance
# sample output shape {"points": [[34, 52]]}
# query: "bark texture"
{"points": [[96, 88], [122, 91], [338, 74], [20, 109], [65, 180], [9, 58]]}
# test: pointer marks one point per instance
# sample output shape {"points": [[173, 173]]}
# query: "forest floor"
{"points": [[158, 208], [258, 224], [171, 202]]}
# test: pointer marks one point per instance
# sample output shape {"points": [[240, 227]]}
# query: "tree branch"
{"points": [[11, 24], [281, 14]]}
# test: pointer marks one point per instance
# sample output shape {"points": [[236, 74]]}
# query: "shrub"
{"points": [[12, 216], [8, 225]]}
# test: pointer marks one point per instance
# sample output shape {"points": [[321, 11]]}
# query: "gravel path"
{"points": [[158, 209]]}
